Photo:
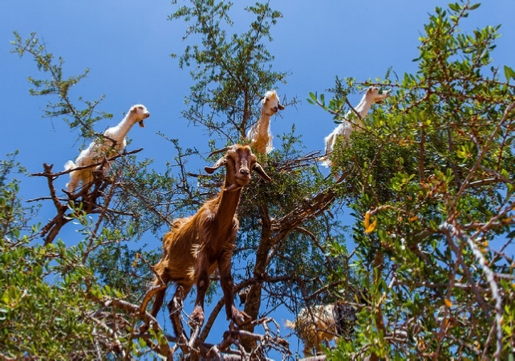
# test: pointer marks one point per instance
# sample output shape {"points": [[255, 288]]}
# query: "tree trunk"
{"points": [[253, 301]]}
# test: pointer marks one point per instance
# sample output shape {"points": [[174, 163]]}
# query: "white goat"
{"points": [[112, 142], [345, 129], [259, 134], [323, 323]]}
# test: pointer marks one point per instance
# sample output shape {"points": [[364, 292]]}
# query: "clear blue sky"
{"points": [[127, 46]]}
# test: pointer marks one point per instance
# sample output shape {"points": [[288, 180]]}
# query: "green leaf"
{"points": [[455, 7], [312, 98], [509, 73]]}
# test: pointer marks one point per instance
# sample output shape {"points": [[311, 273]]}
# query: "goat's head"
{"points": [[239, 162], [374, 95], [270, 103], [138, 113]]}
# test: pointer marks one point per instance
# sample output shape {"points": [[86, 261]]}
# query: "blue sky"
{"points": [[127, 46]]}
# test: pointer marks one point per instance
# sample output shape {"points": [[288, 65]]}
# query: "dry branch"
{"points": [[85, 199]]}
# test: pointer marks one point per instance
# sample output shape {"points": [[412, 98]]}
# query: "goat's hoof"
{"points": [[196, 317], [240, 317]]}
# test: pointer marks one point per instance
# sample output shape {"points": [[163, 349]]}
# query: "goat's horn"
{"points": [[219, 151], [218, 164]]}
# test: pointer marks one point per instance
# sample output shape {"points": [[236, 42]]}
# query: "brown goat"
{"points": [[197, 245]]}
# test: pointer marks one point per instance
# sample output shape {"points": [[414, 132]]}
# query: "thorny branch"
{"points": [[483, 264], [85, 199], [195, 346], [162, 347]]}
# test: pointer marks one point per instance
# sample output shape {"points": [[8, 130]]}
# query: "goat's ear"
{"points": [[222, 161], [259, 169]]}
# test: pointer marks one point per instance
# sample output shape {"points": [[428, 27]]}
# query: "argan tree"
{"points": [[430, 181], [426, 266]]}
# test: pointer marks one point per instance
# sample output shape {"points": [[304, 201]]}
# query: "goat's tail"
{"points": [[69, 165], [160, 278], [326, 162], [289, 324]]}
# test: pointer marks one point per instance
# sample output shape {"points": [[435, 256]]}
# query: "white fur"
{"points": [[314, 327], [346, 127], [113, 142], [259, 134]]}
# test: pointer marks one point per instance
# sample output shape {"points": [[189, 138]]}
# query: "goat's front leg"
{"points": [[239, 317], [197, 316]]}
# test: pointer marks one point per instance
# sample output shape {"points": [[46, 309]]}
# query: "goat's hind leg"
{"points": [[72, 185], [160, 296], [175, 307], [158, 291]]}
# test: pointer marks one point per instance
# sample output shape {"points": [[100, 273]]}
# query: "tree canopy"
{"points": [[426, 267]]}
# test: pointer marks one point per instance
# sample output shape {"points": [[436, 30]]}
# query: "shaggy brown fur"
{"points": [[197, 245]]}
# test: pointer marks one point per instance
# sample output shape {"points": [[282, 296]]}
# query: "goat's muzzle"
{"points": [[382, 97], [145, 116], [243, 178], [276, 109]]}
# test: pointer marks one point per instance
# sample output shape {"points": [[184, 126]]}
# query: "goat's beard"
{"points": [[233, 187]]}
